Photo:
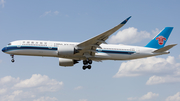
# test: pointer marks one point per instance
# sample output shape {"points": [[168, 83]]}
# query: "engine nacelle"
{"points": [[67, 62], [66, 50]]}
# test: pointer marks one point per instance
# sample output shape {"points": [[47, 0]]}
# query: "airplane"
{"points": [[93, 49]]}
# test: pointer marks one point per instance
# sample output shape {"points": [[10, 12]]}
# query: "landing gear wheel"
{"points": [[12, 60], [84, 67], [85, 62], [90, 61], [89, 66]]}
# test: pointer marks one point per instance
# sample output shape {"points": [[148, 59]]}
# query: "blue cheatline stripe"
{"points": [[116, 52], [11, 48]]}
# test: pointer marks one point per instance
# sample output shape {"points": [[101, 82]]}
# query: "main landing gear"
{"points": [[12, 58], [86, 62]]}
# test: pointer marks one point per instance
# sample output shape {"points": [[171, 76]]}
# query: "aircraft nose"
{"points": [[4, 49]]}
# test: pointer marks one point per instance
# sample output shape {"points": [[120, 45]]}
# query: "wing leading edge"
{"points": [[88, 47]]}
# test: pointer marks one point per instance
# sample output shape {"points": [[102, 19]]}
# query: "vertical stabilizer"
{"points": [[160, 40]]}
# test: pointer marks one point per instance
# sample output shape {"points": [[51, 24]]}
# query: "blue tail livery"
{"points": [[160, 40]]}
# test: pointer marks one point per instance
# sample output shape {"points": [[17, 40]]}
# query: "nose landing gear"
{"points": [[12, 58], [86, 62]]}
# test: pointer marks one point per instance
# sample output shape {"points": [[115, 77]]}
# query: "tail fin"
{"points": [[160, 40]]}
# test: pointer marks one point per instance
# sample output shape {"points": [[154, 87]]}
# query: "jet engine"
{"points": [[67, 62], [66, 50]]}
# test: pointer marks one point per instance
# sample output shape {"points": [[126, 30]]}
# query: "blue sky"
{"points": [[42, 79]]}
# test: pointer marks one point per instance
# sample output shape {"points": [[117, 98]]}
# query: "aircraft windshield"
{"points": [[9, 44]]}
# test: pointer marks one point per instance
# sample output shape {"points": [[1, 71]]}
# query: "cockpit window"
{"points": [[9, 44]]}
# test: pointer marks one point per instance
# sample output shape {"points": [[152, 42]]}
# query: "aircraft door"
{"points": [[137, 50], [19, 46], [50, 45]]}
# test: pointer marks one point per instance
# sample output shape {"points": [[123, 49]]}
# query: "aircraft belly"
{"points": [[105, 56], [137, 56]]}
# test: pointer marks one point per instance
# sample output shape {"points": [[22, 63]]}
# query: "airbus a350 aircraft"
{"points": [[94, 49]]}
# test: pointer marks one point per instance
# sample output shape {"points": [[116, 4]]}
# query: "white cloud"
{"points": [[15, 89], [56, 12], [46, 99], [167, 69], [150, 65], [148, 96], [155, 32], [18, 95], [162, 79], [12, 97], [43, 83], [34, 81], [9, 79], [46, 13], [2, 91], [175, 97], [50, 13], [129, 36], [78, 88], [83, 100], [132, 98], [17, 92], [2, 2]]}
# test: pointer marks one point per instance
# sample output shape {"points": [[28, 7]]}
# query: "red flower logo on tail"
{"points": [[161, 40]]}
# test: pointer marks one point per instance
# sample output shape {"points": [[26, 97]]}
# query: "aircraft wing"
{"points": [[88, 47]]}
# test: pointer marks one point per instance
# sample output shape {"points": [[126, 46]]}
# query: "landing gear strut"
{"points": [[86, 62], [12, 58]]}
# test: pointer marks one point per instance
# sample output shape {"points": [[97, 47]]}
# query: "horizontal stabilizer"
{"points": [[164, 48]]}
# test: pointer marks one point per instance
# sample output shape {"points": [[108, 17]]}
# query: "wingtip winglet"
{"points": [[124, 22], [129, 17]]}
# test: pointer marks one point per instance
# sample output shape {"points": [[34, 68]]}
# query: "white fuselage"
{"points": [[106, 52], [93, 49]]}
